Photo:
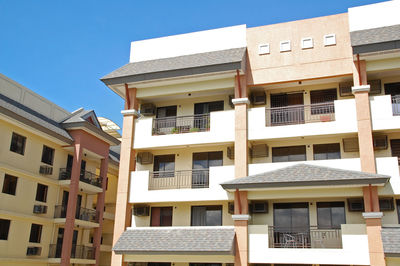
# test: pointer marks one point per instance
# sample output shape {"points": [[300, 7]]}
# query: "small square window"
{"points": [[36, 233], [10, 184], [18, 143], [41, 193], [4, 229], [47, 155], [307, 43], [330, 39], [285, 46], [263, 49]]}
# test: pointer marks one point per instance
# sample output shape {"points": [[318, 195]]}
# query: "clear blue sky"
{"points": [[60, 49]]}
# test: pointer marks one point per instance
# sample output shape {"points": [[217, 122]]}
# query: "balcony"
{"points": [[78, 253], [181, 124], [89, 182], [396, 104], [83, 216], [179, 179], [300, 114]]}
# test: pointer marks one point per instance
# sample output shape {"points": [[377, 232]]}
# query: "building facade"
{"points": [[273, 145], [58, 179]]}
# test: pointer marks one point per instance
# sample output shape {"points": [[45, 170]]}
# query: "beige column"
{"points": [[367, 157], [126, 166]]}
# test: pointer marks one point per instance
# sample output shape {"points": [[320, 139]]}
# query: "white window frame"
{"points": [[263, 49], [328, 39], [281, 47], [305, 44]]}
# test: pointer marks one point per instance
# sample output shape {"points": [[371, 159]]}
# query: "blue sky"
{"points": [[60, 49]]}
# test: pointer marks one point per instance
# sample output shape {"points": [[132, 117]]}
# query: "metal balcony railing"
{"points": [[181, 124], [84, 214], [77, 252], [396, 104], [299, 114], [179, 179], [85, 176], [312, 237]]}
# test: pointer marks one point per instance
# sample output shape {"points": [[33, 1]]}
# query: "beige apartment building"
{"points": [[40, 143], [272, 145]]}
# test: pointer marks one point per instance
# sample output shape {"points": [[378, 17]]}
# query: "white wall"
{"points": [[382, 114], [189, 43], [374, 16]]}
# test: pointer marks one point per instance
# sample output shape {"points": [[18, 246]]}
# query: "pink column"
{"points": [[100, 209], [71, 208]]}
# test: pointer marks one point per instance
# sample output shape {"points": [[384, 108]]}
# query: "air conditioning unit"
{"points": [[39, 209], [141, 210], [231, 207], [386, 204], [355, 204], [144, 158], [230, 152], [258, 207], [259, 151], [380, 142], [147, 109], [345, 88], [375, 86], [258, 98], [33, 251], [231, 97], [350, 145], [46, 170]]}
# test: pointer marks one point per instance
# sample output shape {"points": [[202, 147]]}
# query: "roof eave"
{"points": [[86, 126]]}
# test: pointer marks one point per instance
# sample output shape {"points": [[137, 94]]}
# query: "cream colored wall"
{"points": [[181, 214]]}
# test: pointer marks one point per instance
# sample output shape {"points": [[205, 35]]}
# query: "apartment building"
{"points": [[272, 145], [58, 182]]}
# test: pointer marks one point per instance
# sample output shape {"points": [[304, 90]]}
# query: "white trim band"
{"points": [[372, 215], [130, 112], [241, 217], [361, 88], [241, 100]]}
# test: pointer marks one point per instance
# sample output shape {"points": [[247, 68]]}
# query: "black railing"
{"points": [[396, 104], [77, 252], [300, 114], [85, 176], [84, 214], [311, 237], [179, 179], [181, 124]]}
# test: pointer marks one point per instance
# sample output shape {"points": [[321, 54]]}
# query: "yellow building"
{"points": [[272, 145], [38, 175]]}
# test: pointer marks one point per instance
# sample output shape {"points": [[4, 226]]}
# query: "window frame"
{"points": [[44, 197], [289, 148], [6, 176], [44, 159], [329, 149], [160, 220], [207, 208], [14, 146], [35, 237], [6, 223], [331, 203]]}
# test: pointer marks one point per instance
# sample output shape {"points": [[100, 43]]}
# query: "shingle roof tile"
{"points": [[391, 240]]}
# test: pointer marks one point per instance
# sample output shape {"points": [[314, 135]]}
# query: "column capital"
{"points": [[130, 112], [360, 88], [372, 215], [241, 217], [241, 101]]}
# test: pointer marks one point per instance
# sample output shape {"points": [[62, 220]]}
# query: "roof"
{"points": [[391, 241], [32, 118], [186, 240], [186, 65], [305, 175], [114, 153], [377, 39]]}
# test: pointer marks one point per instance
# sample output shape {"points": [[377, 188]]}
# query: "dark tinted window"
{"points": [[326, 151], [166, 111], [206, 215], [4, 229], [323, 96], [205, 160], [289, 154], [47, 155], [36, 233], [205, 108], [18, 143], [41, 193], [161, 216], [10, 184], [330, 214], [164, 162]]}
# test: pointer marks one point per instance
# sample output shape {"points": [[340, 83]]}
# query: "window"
{"points": [[202, 161], [206, 108], [206, 216], [322, 101], [10, 184], [329, 39], [326, 151], [18, 143], [161, 216], [47, 155], [263, 49], [398, 209], [164, 165], [289, 154], [41, 193], [307, 43], [36, 233], [4, 229], [285, 46], [330, 214], [166, 111]]}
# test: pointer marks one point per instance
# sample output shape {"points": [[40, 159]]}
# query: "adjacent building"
{"points": [[58, 182]]}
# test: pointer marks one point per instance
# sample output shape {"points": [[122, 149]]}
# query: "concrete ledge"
{"points": [[361, 88], [241, 101], [130, 112], [241, 217], [372, 215]]}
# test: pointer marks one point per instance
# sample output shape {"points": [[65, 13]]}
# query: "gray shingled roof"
{"points": [[223, 60], [305, 175], [32, 118], [391, 241], [186, 240], [377, 39]]}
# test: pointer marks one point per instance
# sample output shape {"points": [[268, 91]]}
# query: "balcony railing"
{"points": [[312, 237], [181, 124], [179, 179], [83, 214], [300, 114], [85, 176], [396, 104], [77, 252]]}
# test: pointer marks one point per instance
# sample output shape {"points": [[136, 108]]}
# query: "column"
{"points": [[71, 208], [100, 209]]}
